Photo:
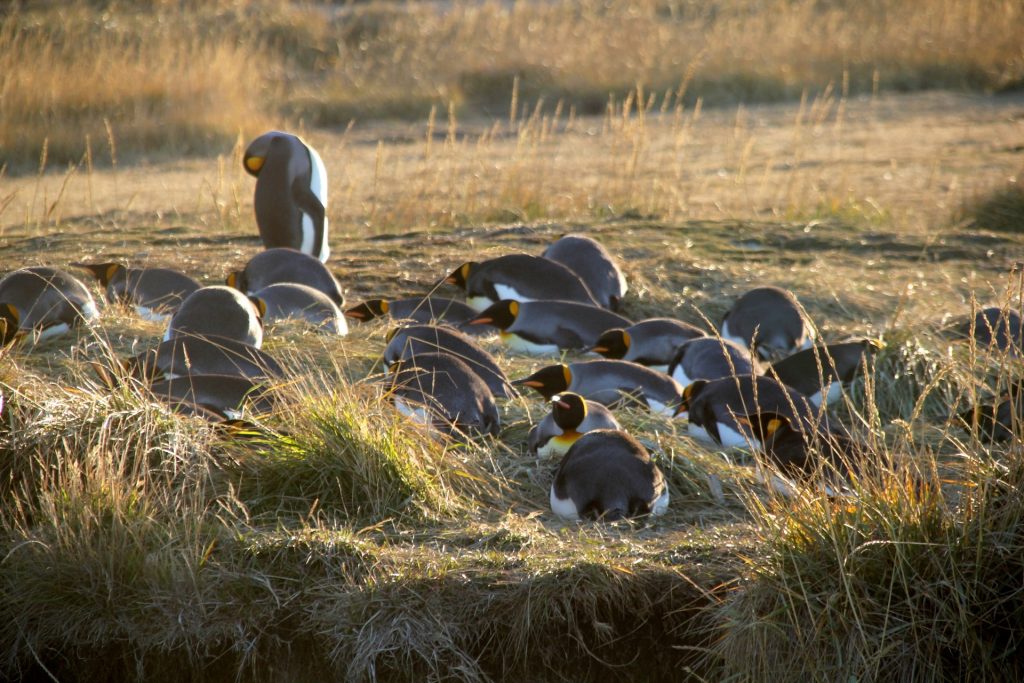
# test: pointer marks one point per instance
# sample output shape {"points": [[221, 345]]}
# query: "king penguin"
{"points": [[609, 382], [770, 320], [45, 302], [285, 300], [652, 342], [156, 293], [589, 259], [285, 265], [412, 340], [419, 309], [520, 277], [821, 371], [193, 355], [218, 311], [291, 193], [571, 417], [608, 475], [548, 327], [711, 358]]}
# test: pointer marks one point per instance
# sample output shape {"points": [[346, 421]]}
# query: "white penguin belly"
{"points": [[147, 313], [661, 504], [730, 437], [89, 311], [479, 303], [659, 408], [509, 292], [318, 185], [726, 334], [660, 368], [53, 331], [680, 376], [564, 508], [416, 413], [517, 343]]}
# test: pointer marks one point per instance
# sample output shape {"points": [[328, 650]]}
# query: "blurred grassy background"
{"points": [[170, 78]]}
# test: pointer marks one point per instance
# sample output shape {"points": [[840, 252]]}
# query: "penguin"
{"points": [[520, 277], [291, 193], [712, 407], [593, 264], [608, 382], [652, 342], [284, 300], [608, 475], [821, 371], [155, 293], [548, 327], [711, 358], [412, 340], [285, 265], [222, 394], [440, 390], [419, 309], [800, 453], [999, 418], [44, 302], [770, 320], [190, 355], [218, 311], [571, 417], [995, 328]]}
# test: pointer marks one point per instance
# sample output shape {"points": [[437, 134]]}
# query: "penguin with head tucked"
{"points": [[412, 340], [218, 312], [520, 277], [589, 259], [291, 193], [419, 309], [608, 475], [770, 320], [155, 293], [652, 342], [290, 300], [44, 302], [995, 328], [285, 265], [548, 327]]}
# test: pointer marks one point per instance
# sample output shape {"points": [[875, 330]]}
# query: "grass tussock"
{"points": [[257, 63], [1001, 210], [902, 583]]}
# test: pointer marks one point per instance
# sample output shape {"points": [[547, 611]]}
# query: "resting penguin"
{"points": [[441, 391], [800, 453], [999, 418], [520, 277], [651, 342], [44, 302], [419, 309], [548, 327], [995, 327], [285, 300], [595, 266], [188, 355], [711, 358], [218, 311], [570, 418], [412, 340], [713, 408], [770, 320], [607, 474], [609, 382], [155, 293], [224, 394], [823, 369], [285, 265], [291, 193]]}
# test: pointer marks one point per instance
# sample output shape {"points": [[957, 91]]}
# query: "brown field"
{"points": [[344, 544]]}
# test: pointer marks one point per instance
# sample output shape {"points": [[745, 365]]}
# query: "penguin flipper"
{"points": [[568, 338], [310, 205]]}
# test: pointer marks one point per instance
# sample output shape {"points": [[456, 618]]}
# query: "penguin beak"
{"points": [[353, 313], [681, 410], [526, 382], [562, 404], [600, 349], [482, 320], [254, 164]]}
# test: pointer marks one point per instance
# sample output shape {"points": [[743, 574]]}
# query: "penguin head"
{"points": [[104, 272], [368, 310], [569, 410], [460, 275], [548, 381], [237, 280], [766, 425], [261, 308], [10, 319], [500, 315], [690, 393], [613, 344], [256, 153]]}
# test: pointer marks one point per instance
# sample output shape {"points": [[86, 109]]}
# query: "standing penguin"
{"points": [[291, 193]]}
